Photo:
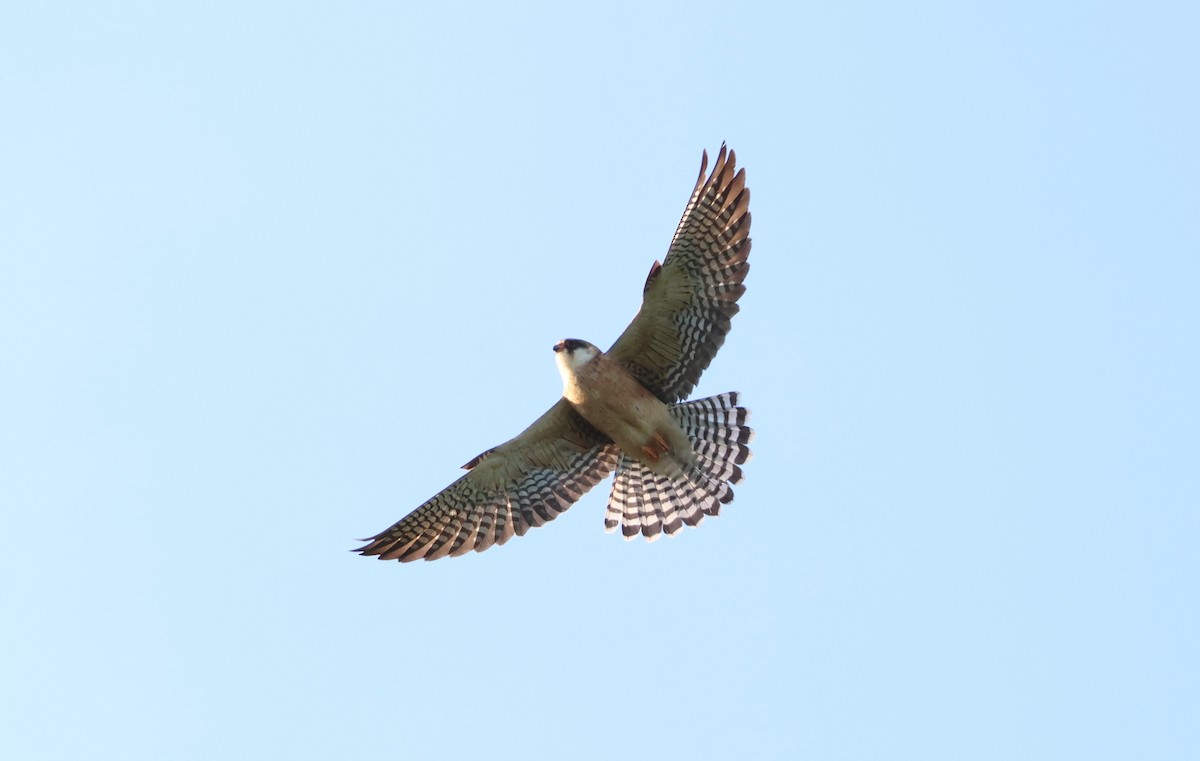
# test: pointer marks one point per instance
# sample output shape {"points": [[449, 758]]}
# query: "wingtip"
{"points": [[364, 550]]}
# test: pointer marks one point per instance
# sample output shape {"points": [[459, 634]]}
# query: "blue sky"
{"points": [[270, 274]]}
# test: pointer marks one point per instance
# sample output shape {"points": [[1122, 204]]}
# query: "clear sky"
{"points": [[270, 273]]}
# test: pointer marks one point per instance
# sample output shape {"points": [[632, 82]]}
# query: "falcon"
{"points": [[623, 410]]}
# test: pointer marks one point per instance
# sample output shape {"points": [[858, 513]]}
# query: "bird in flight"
{"points": [[621, 410]]}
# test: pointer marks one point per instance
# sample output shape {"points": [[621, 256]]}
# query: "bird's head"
{"points": [[572, 354]]}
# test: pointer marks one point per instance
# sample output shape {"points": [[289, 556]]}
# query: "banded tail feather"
{"points": [[650, 504]]}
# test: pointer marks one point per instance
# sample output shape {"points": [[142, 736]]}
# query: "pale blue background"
{"points": [[271, 273]]}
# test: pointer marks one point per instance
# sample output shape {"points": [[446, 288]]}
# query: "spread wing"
{"points": [[689, 299], [522, 483]]}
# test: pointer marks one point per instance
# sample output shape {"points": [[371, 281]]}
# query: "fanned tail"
{"points": [[648, 503]]}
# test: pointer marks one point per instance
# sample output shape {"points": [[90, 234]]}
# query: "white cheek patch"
{"points": [[571, 360], [579, 357]]}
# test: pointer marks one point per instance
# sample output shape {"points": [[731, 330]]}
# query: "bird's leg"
{"points": [[657, 446]]}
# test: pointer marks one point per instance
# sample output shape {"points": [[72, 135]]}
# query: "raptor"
{"points": [[623, 410]]}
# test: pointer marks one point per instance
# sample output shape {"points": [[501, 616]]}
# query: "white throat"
{"points": [[570, 360]]}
